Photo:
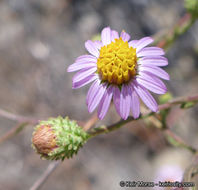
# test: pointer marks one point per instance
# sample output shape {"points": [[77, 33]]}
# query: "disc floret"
{"points": [[117, 62]]}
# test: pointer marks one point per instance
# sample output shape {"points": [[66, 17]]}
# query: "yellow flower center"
{"points": [[117, 62]]}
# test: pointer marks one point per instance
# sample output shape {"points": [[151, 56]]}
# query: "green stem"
{"points": [[181, 27], [106, 129], [177, 141]]}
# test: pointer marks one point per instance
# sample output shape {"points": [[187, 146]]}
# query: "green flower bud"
{"points": [[165, 98], [58, 138], [192, 7]]}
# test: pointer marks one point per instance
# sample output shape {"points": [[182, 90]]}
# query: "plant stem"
{"points": [[41, 180], [106, 129], [16, 117], [177, 141], [180, 28], [13, 132]]}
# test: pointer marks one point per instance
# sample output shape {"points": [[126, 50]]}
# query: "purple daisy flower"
{"points": [[121, 70]]}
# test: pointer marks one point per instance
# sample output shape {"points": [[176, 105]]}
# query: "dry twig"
{"points": [[52, 166]]}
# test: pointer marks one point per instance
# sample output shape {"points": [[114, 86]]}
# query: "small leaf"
{"points": [[173, 141], [187, 105], [192, 7]]}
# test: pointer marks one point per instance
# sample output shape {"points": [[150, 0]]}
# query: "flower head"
{"points": [[168, 173], [121, 70], [58, 138]]}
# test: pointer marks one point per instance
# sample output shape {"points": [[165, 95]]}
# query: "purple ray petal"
{"points": [[133, 43], [84, 58], [79, 66], [92, 90], [92, 48], [151, 77], [84, 73], [105, 102], [154, 61], [143, 43], [157, 71], [135, 104], [98, 44], [95, 100], [151, 84], [125, 36], [84, 81], [114, 35], [146, 97], [106, 36], [125, 101], [84, 61], [150, 51], [116, 98]]}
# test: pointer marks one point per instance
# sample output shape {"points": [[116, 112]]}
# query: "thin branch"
{"points": [[191, 173], [16, 117], [52, 166], [178, 141], [177, 101], [91, 122], [13, 132], [167, 39], [106, 129]]}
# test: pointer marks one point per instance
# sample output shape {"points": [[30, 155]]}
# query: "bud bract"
{"points": [[58, 138]]}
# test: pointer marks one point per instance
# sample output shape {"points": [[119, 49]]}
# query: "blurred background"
{"points": [[39, 39]]}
